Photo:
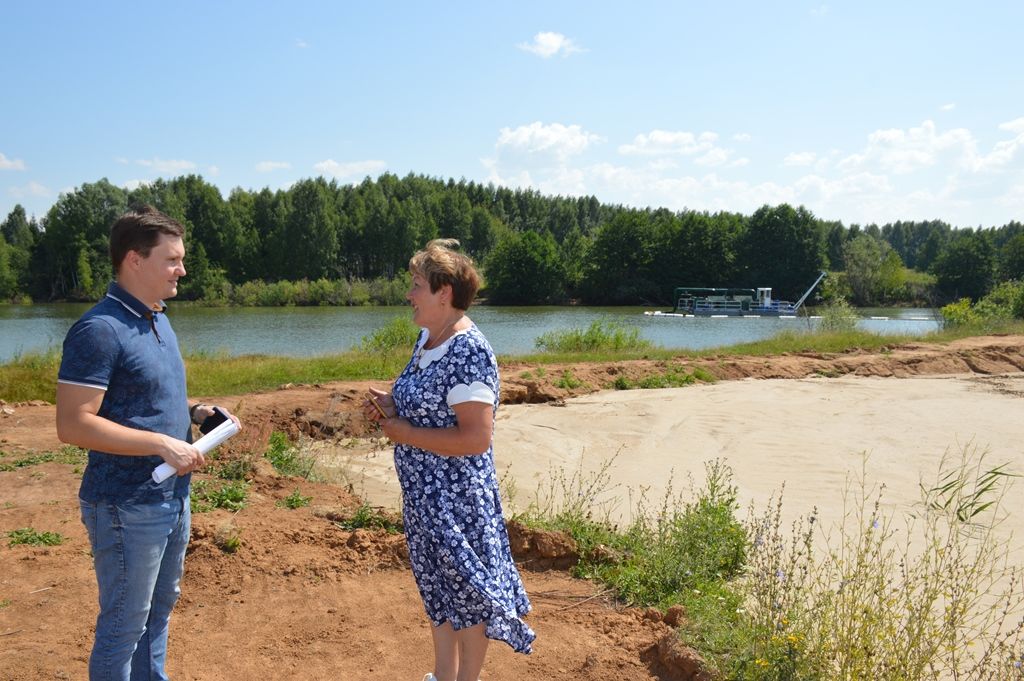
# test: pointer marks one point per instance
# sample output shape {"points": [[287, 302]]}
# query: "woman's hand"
{"points": [[378, 405]]}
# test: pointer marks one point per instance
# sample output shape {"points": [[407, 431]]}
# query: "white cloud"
{"points": [[29, 190], [1016, 126], [301, 44], [167, 166], [352, 169], [904, 151], [659, 142], [819, 11], [742, 137], [134, 184], [800, 158], [11, 163], [948, 107], [213, 171], [740, 162], [715, 156], [561, 140], [269, 166], [547, 44]]}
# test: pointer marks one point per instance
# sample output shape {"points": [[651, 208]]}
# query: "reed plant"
{"points": [[600, 336]]}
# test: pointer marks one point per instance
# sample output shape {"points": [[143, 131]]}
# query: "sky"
{"points": [[864, 112]]}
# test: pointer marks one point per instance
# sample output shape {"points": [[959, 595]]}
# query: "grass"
{"points": [[287, 458], [32, 376], [30, 537], [367, 516], [294, 500], [208, 495], [920, 596], [67, 455]]}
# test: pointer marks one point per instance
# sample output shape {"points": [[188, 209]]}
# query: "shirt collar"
{"points": [[131, 303]]}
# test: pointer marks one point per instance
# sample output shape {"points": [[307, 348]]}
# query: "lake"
{"points": [[308, 331]]}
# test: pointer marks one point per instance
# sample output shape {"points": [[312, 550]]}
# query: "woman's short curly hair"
{"points": [[439, 263]]}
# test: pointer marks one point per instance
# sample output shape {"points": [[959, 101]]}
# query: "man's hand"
{"points": [[181, 455]]}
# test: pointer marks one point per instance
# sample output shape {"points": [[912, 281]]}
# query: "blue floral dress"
{"points": [[458, 544]]}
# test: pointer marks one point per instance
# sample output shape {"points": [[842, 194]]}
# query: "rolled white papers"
{"points": [[204, 444]]}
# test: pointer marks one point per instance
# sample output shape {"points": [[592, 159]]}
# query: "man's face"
{"points": [[158, 274]]}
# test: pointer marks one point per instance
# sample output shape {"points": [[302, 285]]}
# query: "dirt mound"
{"points": [[297, 597], [275, 593]]}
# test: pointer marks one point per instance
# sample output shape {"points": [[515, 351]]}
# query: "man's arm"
{"points": [[79, 423]]}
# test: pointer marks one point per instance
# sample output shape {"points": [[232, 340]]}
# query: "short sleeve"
{"points": [[474, 392], [90, 353], [474, 372]]}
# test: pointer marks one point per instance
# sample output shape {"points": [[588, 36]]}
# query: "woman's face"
{"points": [[427, 308]]}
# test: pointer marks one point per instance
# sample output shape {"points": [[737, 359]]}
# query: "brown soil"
{"points": [[303, 598]]}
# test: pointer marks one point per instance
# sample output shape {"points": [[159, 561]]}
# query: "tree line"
{"points": [[320, 242]]}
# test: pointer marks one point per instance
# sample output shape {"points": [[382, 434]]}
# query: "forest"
{"points": [[323, 243]]}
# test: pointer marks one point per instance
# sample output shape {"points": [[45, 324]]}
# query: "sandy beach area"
{"points": [[809, 435]]}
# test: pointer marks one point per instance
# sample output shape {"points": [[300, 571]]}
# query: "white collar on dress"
{"points": [[427, 357]]}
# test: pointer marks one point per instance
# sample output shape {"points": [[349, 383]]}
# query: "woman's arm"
{"points": [[471, 434]]}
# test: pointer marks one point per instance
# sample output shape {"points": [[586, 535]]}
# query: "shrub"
{"points": [[839, 316]]}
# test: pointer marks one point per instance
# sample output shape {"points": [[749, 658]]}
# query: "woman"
{"points": [[440, 415]]}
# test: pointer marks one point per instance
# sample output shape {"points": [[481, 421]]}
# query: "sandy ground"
{"points": [[303, 598], [807, 434]]}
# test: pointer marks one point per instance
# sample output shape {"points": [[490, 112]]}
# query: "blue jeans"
{"points": [[139, 554]]}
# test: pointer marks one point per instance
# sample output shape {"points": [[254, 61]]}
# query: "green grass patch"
{"points": [[294, 500], [287, 458], [208, 495], [30, 537], [568, 381], [30, 376], [68, 455], [673, 377], [368, 517]]}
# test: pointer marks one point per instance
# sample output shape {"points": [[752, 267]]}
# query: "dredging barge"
{"points": [[733, 302]]}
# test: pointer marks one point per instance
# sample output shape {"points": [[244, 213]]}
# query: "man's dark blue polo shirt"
{"points": [[124, 348]]}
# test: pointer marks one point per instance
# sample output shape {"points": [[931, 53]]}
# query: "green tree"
{"points": [[8, 280], [523, 269], [75, 243], [1011, 259], [620, 263], [311, 231], [874, 270], [784, 247], [965, 266]]}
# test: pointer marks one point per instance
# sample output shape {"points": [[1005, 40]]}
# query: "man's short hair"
{"points": [[139, 230]]}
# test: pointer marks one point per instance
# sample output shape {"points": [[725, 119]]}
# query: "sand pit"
{"points": [[806, 434]]}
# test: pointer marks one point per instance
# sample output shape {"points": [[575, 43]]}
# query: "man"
{"points": [[121, 394]]}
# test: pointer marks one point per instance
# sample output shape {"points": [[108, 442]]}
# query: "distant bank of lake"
{"points": [[308, 331]]}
